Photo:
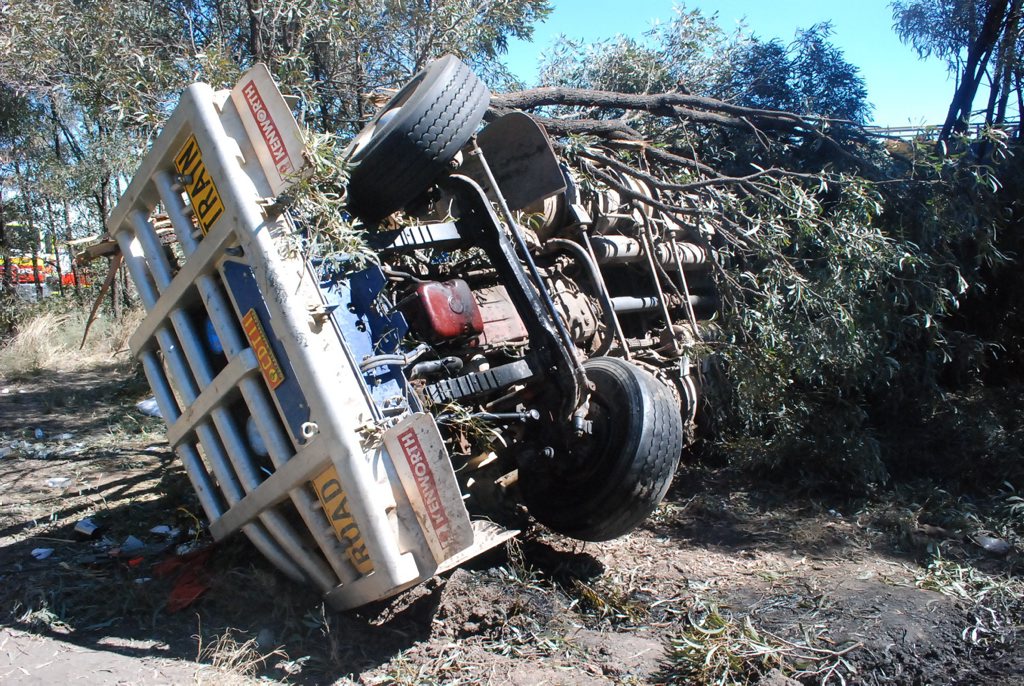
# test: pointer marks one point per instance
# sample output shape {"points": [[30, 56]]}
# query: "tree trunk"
{"points": [[1019, 79], [1011, 63], [7, 278], [127, 301], [115, 300], [36, 275], [26, 200], [977, 60], [53, 242], [68, 237], [256, 47], [995, 88]]}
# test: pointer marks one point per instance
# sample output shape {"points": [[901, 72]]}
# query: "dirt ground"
{"points": [[730, 582]]}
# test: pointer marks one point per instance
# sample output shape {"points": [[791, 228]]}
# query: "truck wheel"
{"points": [[408, 144], [605, 484]]}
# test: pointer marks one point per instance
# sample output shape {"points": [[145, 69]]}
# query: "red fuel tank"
{"points": [[446, 310]]}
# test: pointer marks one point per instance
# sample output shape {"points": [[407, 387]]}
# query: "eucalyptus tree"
{"points": [[981, 42], [107, 72], [833, 308]]}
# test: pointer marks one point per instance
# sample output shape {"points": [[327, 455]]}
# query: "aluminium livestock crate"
{"points": [[254, 365]]}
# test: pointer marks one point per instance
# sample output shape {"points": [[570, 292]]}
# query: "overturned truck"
{"points": [[519, 343]]}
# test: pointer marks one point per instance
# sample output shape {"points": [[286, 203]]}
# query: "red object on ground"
{"points": [[186, 591], [192, 580]]}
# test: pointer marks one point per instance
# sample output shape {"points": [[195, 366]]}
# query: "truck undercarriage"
{"points": [[520, 343]]}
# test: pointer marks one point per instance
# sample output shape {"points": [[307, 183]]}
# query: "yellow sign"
{"points": [[202, 193], [272, 371], [335, 503]]}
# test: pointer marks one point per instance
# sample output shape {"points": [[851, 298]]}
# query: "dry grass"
{"points": [[51, 342], [233, 659]]}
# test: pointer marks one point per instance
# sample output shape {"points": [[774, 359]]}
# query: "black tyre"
{"points": [[411, 140], [610, 481]]}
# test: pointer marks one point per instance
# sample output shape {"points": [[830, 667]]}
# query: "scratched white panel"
{"points": [[421, 461], [271, 127]]}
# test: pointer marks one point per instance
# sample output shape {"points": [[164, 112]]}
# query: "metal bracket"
{"points": [[550, 354]]}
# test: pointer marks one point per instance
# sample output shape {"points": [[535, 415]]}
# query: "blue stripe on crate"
{"points": [[291, 401]]}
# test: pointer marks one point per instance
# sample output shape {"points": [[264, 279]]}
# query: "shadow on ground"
{"points": [[97, 457], [124, 476], [79, 402], [84, 597]]}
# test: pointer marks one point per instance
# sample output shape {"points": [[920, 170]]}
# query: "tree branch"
{"points": [[609, 128], [715, 180], [676, 105]]}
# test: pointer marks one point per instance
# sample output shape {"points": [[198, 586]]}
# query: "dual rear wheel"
{"points": [[608, 482]]}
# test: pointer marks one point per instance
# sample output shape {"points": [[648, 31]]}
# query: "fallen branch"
{"points": [[716, 180], [676, 105], [608, 128]]}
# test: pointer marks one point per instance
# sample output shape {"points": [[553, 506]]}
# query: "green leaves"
{"points": [[97, 79], [317, 204]]}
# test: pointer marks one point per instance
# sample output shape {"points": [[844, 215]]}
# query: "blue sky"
{"points": [[904, 89]]}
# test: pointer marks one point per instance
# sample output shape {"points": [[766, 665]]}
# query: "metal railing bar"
{"points": [[267, 420], [207, 493], [135, 260], [255, 232], [243, 364], [304, 466], [238, 451], [203, 261]]}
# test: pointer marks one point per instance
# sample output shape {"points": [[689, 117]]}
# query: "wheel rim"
{"points": [[369, 131], [588, 453], [387, 114]]}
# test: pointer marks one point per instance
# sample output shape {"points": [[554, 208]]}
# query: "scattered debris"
{"points": [[556, 610], [992, 545], [38, 451], [59, 482], [87, 528], [292, 667], [149, 407], [714, 647], [191, 582], [42, 553], [132, 544], [43, 450], [165, 530]]}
